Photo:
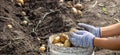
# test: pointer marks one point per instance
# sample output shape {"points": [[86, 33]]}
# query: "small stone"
{"points": [[38, 38], [69, 4]]}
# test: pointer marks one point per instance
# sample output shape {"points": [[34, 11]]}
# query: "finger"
{"points": [[86, 26], [74, 35], [80, 32]]}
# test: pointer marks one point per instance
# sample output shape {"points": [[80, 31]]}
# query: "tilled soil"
{"points": [[47, 17]]}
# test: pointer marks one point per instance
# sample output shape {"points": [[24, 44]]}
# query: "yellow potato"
{"points": [[25, 22], [23, 13], [63, 37], [59, 44], [10, 26], [74, 10], [42, 48], [67, 43], [56, 39], [20, 1], [79, 13], [61, 1], [79, 6]]}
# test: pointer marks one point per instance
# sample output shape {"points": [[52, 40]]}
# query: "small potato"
{"points": [[61, 1], [23, 13], [42, 48], [20, 1], [56, 40], [79, 6], [10, 26], [25, 22], [59, 44], [67, 43], [79, 13], [63, 37], [74, 10]]}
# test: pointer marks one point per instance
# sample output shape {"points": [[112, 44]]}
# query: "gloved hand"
{"points": [[82, 39], [94, 30]]}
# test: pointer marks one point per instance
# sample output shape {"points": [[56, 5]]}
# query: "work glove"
{"points": [[94, 30], [82, 39]]}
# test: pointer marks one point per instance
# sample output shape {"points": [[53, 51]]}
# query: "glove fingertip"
{"points": [[80, 24], [72, 34], [80, 32]]}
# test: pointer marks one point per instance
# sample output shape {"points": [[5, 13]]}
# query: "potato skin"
{"points": [[63, 37], [74, 10], [56, 40], [79, 6], [42, 48], [59, 44], [67, 43]]}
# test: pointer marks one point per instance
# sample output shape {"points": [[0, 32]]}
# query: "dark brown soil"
{"points": [[24, 39]]}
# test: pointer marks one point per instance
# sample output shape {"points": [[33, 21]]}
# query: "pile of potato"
{"points": [[75, 8], [62, 40]]}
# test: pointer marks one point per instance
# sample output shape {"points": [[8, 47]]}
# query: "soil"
{"points": [[25, 39]]}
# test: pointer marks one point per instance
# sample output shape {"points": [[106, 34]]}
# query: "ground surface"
{"points": [[23, 40]]}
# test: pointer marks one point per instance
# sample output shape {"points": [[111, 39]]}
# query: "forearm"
{"points": [[107, 43], [110, 30]]}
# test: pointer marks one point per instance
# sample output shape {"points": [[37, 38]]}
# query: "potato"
{"points": [[74, 10], [20, 1], [79, 6], [80, 13], [61, 1], [25, 22], [23, 13], [63, 37], [67, 43], [42, 48], [77, 12], [56, 39], [10, 26], [59, 44]]}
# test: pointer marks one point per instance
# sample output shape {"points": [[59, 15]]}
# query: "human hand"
{"points": [[82, 38], [94, 30]]}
